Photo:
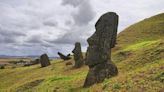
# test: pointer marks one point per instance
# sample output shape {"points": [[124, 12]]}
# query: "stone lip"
{"points": [[98, 56]]}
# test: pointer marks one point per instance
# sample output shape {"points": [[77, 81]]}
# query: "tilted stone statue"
{"points": [[98, 56], [78, 56], [62, 56], [44, 60]]}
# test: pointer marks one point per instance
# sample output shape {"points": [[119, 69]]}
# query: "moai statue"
{"points": [[44, 60], [78, 57], [62, 56], [98, 56]]}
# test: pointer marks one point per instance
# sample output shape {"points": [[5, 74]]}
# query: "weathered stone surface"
{"points": [[44, 60], [98, 56], [62, 56], [99, 72], [78, 57]]}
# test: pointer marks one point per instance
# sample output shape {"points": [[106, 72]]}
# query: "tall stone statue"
{"points": [[98, 56], [78, 57], [44, 60]]}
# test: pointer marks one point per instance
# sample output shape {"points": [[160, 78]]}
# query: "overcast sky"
{"points": [[33, 27]]}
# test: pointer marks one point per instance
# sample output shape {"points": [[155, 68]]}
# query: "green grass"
{"points": [[139, 56], [146, 30], [140, 45]]}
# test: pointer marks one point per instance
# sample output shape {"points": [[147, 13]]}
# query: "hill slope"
{"points": [[139, 55], [148, 29]]}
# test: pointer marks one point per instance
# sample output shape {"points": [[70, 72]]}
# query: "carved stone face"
{"points": [[77, 48], [100, 42]]}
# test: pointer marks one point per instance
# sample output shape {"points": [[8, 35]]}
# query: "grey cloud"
{"points": [[85, 14], [68, 38], [68, 22], [45, 44], [34, 39], [7, 40], [10, 33], [74, 3], [81, 19], [50, 23], [75, 34], [8, 36]]}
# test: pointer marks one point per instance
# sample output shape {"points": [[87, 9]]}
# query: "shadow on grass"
{"points": [[29, 86]]}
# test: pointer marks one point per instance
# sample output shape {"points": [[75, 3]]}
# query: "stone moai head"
{"points": [[77, 47], [78, 57], [101, 42], [77, 50]]}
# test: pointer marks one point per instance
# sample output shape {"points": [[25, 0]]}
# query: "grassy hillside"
{"points": [[139, 55], [148, 29]]}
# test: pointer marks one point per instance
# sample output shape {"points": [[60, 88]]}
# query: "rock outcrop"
{"points": [[44, 60], [78, 57], [98, 56]]}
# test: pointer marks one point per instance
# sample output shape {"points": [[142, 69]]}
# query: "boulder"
{"points": [[44, 60], [98, 56]]}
